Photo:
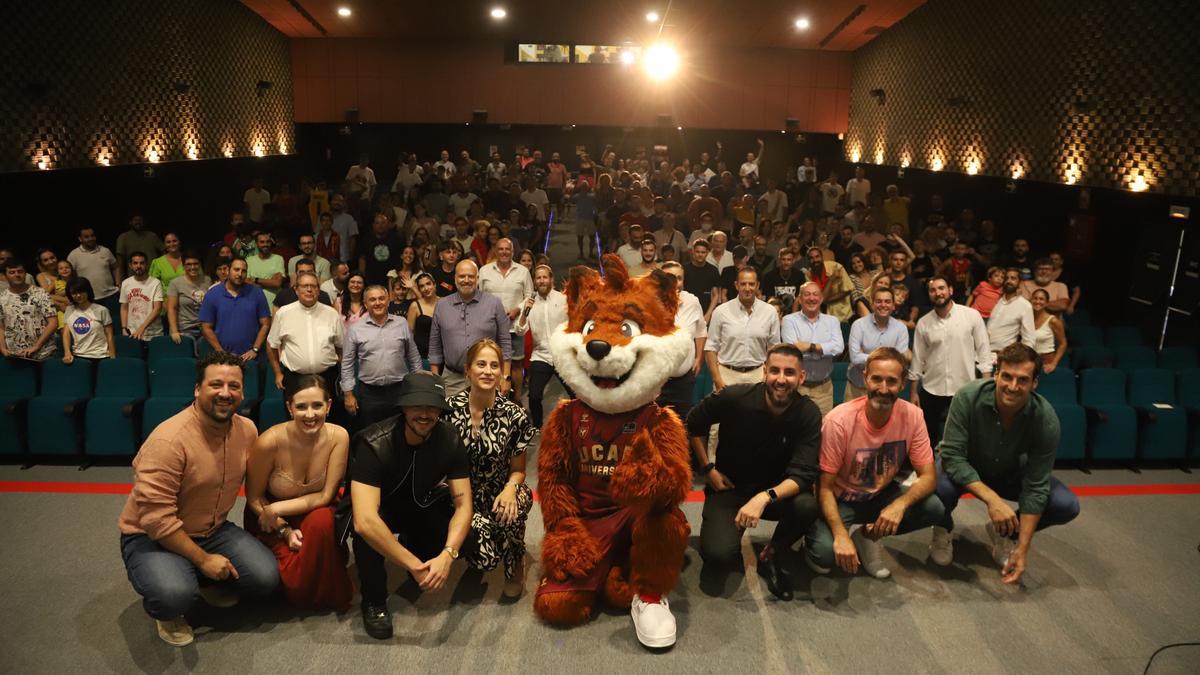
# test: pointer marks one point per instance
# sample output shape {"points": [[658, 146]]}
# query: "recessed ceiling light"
{"points": [[627, 57], [344, 11], [802, 23], [652, 16], [498, 13]]}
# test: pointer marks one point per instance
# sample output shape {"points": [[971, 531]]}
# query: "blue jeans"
{"points": [[1061, 507], [925, 513], [168, 583]]}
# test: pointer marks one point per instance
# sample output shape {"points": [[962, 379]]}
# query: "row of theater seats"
{"points": [[108, 408]]}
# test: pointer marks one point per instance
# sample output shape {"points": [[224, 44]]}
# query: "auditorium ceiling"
{"points": [[838, 25]]}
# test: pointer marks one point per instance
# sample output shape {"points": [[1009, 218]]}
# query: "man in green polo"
{"points": [[999, 445]]}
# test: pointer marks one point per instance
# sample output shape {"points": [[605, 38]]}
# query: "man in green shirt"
{"points": [[999, 445], [265, 269]]}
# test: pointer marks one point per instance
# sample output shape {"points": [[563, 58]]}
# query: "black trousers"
{"points": [[420, 530], [721, 538], [677, 394], [539, 376], [376, 403], [934, 408]]}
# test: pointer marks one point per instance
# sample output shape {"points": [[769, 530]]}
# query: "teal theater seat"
{"points": [[111, 424], [1112, 423], [18, 384], [55, 417], [1162, 424]]}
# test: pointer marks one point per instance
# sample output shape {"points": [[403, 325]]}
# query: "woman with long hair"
{"points": [[860, 279], [48, 280], [350, 302], [169, 265], [496, 432], [1049, 336], [420, 313], [87, 332], [292, 479]]}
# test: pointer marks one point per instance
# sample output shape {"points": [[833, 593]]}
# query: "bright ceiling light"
{"points": [[652, 16], [344, 12], [627, 57], [661, 62], [498, 13], [802, 23]]}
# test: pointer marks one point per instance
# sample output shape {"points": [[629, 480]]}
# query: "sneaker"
{"points": [[377, 620], [175, 632], [653, 622], [941, 548], [870, 554], [1002, 546], [218, 595]]}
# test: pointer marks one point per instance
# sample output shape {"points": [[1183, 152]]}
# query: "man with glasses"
{"points": [[461, 320], [305, 336]]}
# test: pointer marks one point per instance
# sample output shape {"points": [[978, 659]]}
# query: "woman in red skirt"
{"points": [[292, 481]]}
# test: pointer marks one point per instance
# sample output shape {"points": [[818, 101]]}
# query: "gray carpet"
{"points": [[1101, 595]]}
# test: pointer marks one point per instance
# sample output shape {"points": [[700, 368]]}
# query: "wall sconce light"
{"points": [[855, 155], [152, 155], [936, 164], [879, 156], [1017, 171], [973, 167], [1138, 183]]}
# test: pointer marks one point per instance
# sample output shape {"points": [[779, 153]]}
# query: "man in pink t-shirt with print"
{"points": [[864, 443]]}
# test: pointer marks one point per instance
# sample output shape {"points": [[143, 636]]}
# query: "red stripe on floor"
{"points": [[65, 487]]}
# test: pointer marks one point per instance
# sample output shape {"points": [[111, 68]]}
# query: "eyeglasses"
{"points": [[307, 287]]}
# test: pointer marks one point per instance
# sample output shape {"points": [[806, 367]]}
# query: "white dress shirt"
{"points": [[740, 338], [825, 331], [689, 317], [512, 287], [308, 338], [947, 351], [726, 260], [1011, 320], [546, 315]]}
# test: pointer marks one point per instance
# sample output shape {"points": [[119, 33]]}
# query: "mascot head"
{"points": [[619, 344]]}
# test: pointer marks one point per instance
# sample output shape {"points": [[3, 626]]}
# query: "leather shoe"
{"points": [[779, 581], [377, 620]]}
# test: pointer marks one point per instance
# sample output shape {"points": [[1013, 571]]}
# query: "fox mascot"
{"points": [[613, 467]]}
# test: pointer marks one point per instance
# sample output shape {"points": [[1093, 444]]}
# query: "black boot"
{"points": [[777, 577], [377, 620]]}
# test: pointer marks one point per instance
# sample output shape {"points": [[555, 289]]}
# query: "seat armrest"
{"points": [[1096, 415], [133, 408], [17, 408], [76, 408]]}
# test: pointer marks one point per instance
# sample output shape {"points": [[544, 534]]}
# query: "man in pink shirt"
{"points": [[175, 539], [864, 442]]}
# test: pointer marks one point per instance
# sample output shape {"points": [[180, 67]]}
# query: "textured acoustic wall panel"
{"points": [[86, 83], [1096, 92]]}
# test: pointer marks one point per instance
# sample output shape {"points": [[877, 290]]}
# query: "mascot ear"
{"points": [[667, 292], [583, 280], [615, 273]]}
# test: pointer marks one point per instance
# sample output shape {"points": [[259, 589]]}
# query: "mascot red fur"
{"points": [[613, 466]]}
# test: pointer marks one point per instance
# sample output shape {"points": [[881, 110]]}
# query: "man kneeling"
{"points": [[864, 442], [999, 445], [397, 487]]}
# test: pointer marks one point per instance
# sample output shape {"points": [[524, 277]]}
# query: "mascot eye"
{"points": [[589, 327], [630, 328]]}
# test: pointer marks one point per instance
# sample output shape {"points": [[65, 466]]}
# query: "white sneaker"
{"points": [[941, 548], [653, 622], [870, 554], [1002, 546], [175, 632], [218, 596]]}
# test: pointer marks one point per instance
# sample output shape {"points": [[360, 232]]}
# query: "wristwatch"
{"points": [[254, 349], [772, 496], [452, 551], [708, 467]]}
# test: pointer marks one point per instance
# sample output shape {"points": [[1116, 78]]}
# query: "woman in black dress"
{"points": [[420, 314]]}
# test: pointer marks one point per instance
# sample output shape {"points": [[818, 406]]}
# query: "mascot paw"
{"points": [[618, 593], [567, 608], [569, 550]]}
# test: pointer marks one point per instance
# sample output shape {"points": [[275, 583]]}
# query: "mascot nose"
{"points": [[598, 349]]}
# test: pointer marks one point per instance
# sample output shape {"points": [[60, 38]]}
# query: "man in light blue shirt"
{"points": [[819, 336], [879, 329]]}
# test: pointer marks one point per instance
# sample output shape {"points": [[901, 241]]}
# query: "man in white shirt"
{"points": [[949, 344], [1012, 315], [409, 175], [739, 335], [542, 313], [496, 168], [831, 195], [444, 165], [308, 249], [631, 251], [306, 337], [749, 170], [807, 172], [336, 284], [255, 199], [361, 178], [777, 201], [536, 196], [819, 337], [461, 200], [858, 189], [99, 266], [141, 301], [345, 225], [678, 392], [667, 235], [719, 256], [512, 284]]}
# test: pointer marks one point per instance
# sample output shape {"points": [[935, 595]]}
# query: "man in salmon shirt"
{"points": [[175, 539], [864, 442]]}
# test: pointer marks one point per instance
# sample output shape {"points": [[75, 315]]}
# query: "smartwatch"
{"points": [[708, 467], [773, 497]]}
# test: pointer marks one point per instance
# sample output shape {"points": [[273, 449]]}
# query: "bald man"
{"points": [[462, 319]]}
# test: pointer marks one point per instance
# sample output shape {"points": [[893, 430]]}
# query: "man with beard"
{"points": [[398, 486], [784, 281], [1020, 259], [1012, 316], [176, 540], [766, 465], [864, 443], [948, 345], [308, 250], [1043, 278], [649, 258], [235, 316], [541, 314], [999, 446]]}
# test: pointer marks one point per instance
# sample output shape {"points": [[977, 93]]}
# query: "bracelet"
{"points": [[283, 532], [708, 467]]}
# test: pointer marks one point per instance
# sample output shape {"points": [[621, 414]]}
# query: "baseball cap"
{"points": [[422, 389]]}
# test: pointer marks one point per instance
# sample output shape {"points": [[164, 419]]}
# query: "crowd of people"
{"points": [[431, 327]]}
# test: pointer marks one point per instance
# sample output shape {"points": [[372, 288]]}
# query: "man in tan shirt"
{"points": [[186, 478]]}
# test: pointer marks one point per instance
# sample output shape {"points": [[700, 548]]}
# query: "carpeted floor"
{"points": [[1101, 595]]}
